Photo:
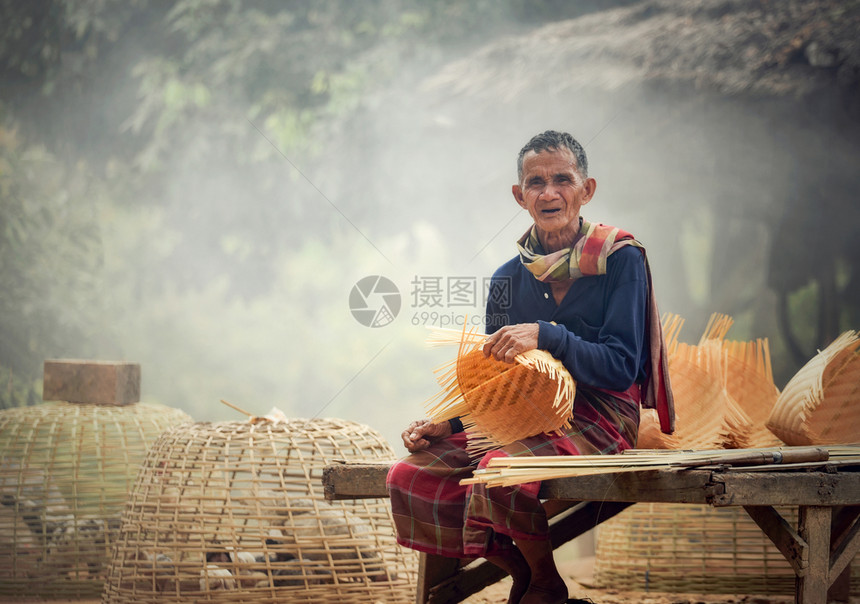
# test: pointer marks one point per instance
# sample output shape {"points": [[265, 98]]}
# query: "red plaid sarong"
{"points": [[434, 514]]}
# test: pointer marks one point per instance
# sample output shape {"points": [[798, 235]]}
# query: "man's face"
{"points": [[552, 190]]}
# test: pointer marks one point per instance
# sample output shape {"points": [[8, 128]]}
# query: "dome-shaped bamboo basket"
{"points": [[684, 548], [65, 473], [819, 405], [234, 511]]}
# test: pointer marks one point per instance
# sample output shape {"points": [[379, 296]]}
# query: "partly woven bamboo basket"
{"points": [[234, 511], [65, 472], [685, 548], [499, 402], [819, 405], [724, 391]]}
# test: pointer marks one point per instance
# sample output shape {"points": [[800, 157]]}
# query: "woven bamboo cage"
{"points": [[819, 405], [234, 511], [684, 548], [65, 472], [499, 402]]}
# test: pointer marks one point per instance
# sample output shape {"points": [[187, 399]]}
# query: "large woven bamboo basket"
{"points": [[819, 405], [500, 403], [65, 472], [685, 548], [234, 511]]}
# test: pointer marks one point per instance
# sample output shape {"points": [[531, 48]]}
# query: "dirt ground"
{"points": [[577, 573]]}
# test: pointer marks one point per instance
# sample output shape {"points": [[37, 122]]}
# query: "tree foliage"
{"points": [[175, 189]]}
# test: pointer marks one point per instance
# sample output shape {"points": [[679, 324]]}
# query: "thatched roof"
{"points": [[756, 47]]}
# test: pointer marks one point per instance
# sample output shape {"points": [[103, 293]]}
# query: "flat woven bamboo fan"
{"points": [[821, 403], [749, 379], [65, 472], [714, 383], [234, 511], [499, 402], [684, 548]]}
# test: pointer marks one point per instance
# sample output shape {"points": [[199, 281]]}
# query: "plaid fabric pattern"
{"points": [[434, 514], [593, 245]]}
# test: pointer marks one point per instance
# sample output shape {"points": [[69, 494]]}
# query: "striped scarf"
{"points": [[587, 257], [593, 245]]}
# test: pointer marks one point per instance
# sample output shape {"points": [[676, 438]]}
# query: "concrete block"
{"points": [[100, 382]]}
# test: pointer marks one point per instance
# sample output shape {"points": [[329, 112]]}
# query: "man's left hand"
{"points": [[512, 340]]}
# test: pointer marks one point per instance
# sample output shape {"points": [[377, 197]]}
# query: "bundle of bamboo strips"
{"points": [[498, 402], [821, 403], [507, 471]]}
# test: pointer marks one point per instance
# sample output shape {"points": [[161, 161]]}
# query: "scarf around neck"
{"points": [[587, 257]]}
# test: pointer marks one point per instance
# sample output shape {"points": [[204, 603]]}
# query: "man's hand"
{"points": [[512, 340], [421, 433]]}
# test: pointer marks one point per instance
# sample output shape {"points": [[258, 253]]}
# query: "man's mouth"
{"points": [[550, 211]]}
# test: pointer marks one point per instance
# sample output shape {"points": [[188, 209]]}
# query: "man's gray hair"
{"points": [[552, 140]]}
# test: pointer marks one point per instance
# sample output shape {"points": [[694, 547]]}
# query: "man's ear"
{"points": [[518, 195], [590, 186]]}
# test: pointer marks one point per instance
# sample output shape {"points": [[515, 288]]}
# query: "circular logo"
{"points": [[374, 301]]}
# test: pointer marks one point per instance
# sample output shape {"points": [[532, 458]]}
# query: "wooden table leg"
{"points": [[841, 522], [432, 570], [814, 528]]}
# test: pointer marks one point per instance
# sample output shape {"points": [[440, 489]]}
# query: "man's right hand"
{"points": [[419, 434]]}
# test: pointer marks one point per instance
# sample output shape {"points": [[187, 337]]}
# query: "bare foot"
{"points": [[550, 593]]}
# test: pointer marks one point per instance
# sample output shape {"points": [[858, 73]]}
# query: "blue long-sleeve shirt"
{"points": [[599, 333]]}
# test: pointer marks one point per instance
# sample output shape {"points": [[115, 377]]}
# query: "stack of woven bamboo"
{"points": [[234, 511], [724, 391], [670, 547], [65, 472]]}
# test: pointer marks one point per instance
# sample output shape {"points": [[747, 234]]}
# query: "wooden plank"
{"points": [[848, 547], [465, 582], [355, 480], [96, 382], [783, 536], [432, 571], [360, 480], [681, 486], [841, 521], [814, 529], [787, 488], [840, 588]]}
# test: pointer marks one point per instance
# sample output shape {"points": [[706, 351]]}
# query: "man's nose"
{"points": [[549, 191]]}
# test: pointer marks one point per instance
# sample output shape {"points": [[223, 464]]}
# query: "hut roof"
{"points": [[754, 47]]}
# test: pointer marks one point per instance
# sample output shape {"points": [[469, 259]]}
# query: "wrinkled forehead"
{"points": [[552, 160]]}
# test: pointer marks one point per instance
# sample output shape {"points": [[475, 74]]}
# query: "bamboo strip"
{"points": [[507, 471]]}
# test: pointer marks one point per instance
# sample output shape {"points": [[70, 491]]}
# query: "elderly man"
{"points": [[582, 292]]}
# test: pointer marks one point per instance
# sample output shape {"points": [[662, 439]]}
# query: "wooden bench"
{"points": [[819, 550]]}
